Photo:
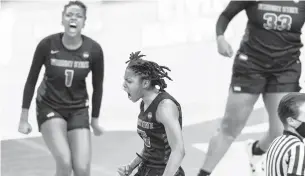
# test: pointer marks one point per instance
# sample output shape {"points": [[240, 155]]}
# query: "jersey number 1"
{"points": [[69, 77], [277, 22]]}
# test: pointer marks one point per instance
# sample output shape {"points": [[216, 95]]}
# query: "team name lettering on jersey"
{"points": [[146, 125], [276, 8], [69, 63]]}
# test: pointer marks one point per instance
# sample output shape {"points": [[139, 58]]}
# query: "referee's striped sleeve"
{"points": [[296, 165]]}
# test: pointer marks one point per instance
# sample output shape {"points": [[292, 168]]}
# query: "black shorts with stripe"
{"points": [[249, 75], [75, 118]]}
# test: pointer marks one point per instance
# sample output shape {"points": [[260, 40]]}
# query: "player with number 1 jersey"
{"points": [[62, 106], [63, 87]]}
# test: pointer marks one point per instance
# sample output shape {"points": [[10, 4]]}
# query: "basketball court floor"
{"points": [[181, 40]]}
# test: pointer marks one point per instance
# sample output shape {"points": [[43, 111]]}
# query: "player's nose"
{"points": [[124, 86], [73, 18]]}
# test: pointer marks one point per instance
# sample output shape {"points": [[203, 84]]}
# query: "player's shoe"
{"points": [[257, 163]]}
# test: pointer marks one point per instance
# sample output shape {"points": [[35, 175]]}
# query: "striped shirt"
{"points": [[286, 156]]}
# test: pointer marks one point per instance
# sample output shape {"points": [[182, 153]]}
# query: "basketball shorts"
{"points": [[75, 118], [251, 76], [145, 170]]}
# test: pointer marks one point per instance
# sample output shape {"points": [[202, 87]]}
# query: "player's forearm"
{"points": [[233, 8], [174, 162], [24, 116], [97, 81], [28, 94], [221, 25], [96, 101], [136, 161]]}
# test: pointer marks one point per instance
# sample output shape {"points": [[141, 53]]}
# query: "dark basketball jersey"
{"points": [[156, 146], [273, 30], [64, 85]]}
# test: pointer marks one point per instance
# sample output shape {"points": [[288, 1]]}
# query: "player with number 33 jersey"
{"points": [[267, 62]]}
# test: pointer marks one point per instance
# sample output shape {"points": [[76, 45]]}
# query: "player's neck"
{"points": [[149, 96], [72, 43]]}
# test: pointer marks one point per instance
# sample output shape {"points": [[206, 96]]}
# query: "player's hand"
{"points": [[124, 170], [97, 129], [224, 48], [24, 127]]}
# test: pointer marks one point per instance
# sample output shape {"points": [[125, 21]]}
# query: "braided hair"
{"points": [[148, 70]]}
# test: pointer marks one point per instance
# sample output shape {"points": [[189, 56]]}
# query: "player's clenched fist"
{"points": [[97, 129], [124, 170], [224, 48], [24, 126]]}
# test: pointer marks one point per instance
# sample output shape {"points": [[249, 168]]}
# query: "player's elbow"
{"points": [[180, 150]]}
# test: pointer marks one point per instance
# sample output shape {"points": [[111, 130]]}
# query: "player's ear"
{"points": [[145, 83]]}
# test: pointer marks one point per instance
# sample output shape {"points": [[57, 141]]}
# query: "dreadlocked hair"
{"points": [[148, 70]]}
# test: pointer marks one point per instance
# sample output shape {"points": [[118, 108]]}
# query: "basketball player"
{"points": [[62, 98], [159, 121], [266, 63]]}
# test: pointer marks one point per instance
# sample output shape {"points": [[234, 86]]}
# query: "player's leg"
{"points": [[238, 109], [279, 84], [283, 82], [257, 149], [54, 132], [79, 137], [244, 92], [276, 127]]}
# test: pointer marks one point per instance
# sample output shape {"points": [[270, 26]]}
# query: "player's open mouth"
{"points": [[73, 25], [129, 95]]}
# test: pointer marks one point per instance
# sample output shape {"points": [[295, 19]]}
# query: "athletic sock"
{"points": [[256, 150], [204, 173]]}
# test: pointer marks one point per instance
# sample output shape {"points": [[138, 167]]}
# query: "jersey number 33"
{"points": [[277, 22]]}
